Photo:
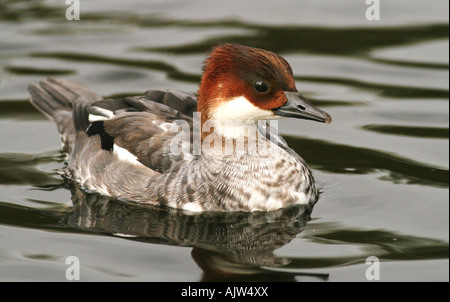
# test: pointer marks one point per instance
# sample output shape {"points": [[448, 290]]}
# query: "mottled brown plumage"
{"points": [[123, 148]]}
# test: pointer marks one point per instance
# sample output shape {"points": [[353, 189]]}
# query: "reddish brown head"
{"points": [[241, 82], [234, 70]]}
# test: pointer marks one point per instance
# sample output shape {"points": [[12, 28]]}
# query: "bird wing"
{"points": [[145, 126]]}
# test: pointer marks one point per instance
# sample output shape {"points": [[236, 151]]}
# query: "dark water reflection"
{"points": [[426, 132], [354, 160], [223, 244], [176, 74], [242, 245], [382, 164], [226, 246]]}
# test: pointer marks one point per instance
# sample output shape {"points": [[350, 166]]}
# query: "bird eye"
{"points": [[261, 86]]}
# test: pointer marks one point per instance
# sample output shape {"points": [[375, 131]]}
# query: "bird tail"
{"points": [[54, 96]]}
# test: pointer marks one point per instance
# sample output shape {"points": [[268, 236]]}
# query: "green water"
{"points": [[382, 164]]}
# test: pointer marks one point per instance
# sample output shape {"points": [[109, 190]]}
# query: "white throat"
{"points": [[236, 118]]}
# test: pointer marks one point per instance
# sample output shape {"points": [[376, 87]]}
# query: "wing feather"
{"points": [[140, 124]]}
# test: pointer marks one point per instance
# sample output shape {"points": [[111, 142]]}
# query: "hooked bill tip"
{"points": [[328, 118]]}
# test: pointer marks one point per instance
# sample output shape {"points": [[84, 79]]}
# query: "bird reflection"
{"points": [[224, 244]]}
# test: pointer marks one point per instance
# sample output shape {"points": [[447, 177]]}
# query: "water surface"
{"points": [[382, 164]]}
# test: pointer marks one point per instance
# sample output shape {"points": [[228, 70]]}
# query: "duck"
{"points": [[217, 150]]}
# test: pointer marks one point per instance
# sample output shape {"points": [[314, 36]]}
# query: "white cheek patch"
{"points": [[239, 108], [124, 155], [231, 118]]}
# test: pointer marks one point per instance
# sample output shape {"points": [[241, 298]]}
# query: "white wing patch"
{"points": [[99, 114], [125, 155], [164, 126], [193, 207]]}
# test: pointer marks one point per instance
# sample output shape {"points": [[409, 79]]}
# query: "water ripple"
{"points": [[347, 159], [422, 132]]}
